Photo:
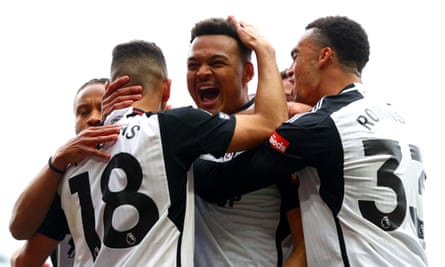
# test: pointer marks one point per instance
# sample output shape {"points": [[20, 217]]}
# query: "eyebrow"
{"points": [[213, 57]]}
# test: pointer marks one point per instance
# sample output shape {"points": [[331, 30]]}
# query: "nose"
{"points": [[95, 119], [203, 71]]}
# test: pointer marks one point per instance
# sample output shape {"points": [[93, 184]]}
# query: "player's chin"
{"points": [[210, 106]]}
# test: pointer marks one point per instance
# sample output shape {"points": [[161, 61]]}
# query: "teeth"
{"points": [[205, 88], [208, 93]]}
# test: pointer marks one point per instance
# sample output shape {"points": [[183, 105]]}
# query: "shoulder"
{"points": [[184, 112], [191, 115]]}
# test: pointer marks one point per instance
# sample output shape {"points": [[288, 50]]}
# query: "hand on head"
{"points": [[118, 96], [250, 36]]}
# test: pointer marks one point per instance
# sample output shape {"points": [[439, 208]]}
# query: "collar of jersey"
{"points": [[135, 111], [247, 105], [347, 87], [116, 115]]}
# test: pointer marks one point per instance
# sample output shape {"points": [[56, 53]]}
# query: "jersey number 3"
{"points": [[386, 177], [148, 212]]}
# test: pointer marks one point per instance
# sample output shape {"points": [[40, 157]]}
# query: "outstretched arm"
{"points": [[270, 104], [33, 203]]}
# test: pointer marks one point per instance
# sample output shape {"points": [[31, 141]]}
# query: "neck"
{"points": [[333, 84], [148, 104]]}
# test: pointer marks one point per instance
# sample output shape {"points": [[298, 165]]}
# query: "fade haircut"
{"points": [[346, 37], [144, 60], [220, 26]]}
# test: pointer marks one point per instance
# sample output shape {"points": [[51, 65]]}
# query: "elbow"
{"points": [[18, 231], [16, 234]]}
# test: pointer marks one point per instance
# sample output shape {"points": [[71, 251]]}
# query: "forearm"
{"points": [[270, 101], [296, 259], [34, 252], [216, 181], [298, 256], [33, 203]]}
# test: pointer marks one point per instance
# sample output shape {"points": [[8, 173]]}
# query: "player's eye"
{"points": [[83, 111]]}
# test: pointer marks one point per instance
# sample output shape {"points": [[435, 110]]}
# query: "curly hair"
{"points": [[220, 26], [346, 37]]}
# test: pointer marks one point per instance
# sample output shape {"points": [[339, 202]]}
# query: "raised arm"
{"points": [[270, 102], [33, 203]]}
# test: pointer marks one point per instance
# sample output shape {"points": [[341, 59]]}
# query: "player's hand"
{"points": [[249, 35], [117, 96], [85, 144], [294, 108]]}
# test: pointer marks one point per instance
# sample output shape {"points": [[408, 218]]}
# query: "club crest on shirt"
{"points": [[131, 239], [223, 116], [228, 156]]}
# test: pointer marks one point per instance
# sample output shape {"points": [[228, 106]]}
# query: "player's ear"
{"points": [[248, 72], [325, 55], [166, 90]]}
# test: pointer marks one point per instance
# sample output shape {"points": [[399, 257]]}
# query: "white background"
{"points": [[48, 49]]}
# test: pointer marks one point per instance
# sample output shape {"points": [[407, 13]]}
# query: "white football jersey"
{"points": [[65, 252], [243, 231], [361, 180], [238, 224], [137, 209]]}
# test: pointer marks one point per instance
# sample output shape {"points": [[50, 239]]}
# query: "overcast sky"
{"points": [[50, 48]]}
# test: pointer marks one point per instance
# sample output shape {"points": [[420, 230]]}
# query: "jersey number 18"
{"points": [[148, 212]]}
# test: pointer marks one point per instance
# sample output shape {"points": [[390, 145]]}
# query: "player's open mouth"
{"points": [[208, 95]]}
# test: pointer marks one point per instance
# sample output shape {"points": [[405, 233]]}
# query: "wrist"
{"points": [[56, 167]]}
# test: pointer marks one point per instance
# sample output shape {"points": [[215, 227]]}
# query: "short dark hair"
{"points": [[139, 51], [220, 26], [93, 81], [346, 37], [90, 82]]}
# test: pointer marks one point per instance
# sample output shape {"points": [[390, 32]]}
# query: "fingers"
{"points": [[88, 151], [97, 130], [94, 136], [239, 25], [247, 33], [116, 84], [86, 143], [118, 97], [109, 105], [233, 20]]}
